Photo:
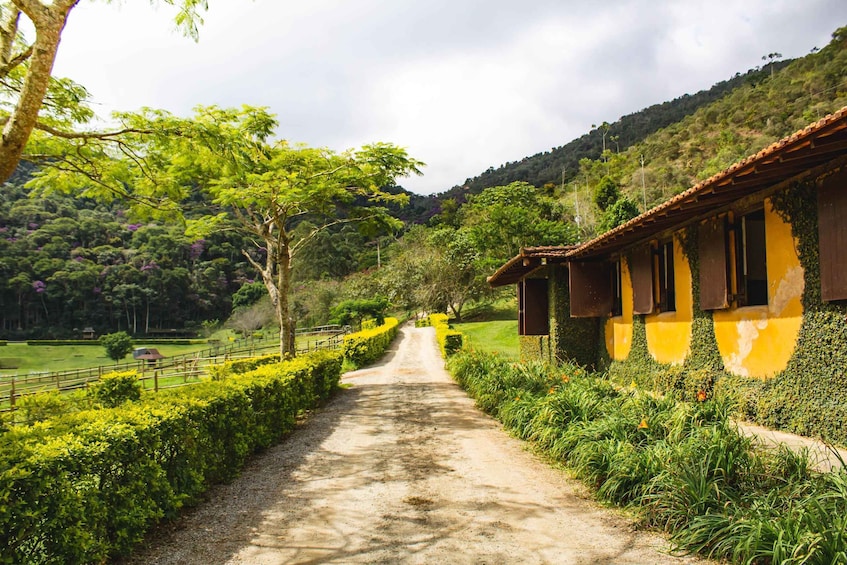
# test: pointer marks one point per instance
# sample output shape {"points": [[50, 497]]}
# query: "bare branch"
{"points": [[15, 61]]}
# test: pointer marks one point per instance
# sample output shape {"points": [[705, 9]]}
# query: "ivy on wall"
{"points": [[809, 397], [571, 339]]}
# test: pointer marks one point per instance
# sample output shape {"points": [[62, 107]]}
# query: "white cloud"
{"points": [[463, 84]]}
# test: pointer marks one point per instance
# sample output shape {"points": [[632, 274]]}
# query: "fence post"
{"points": [[156, 380], [12, 393]]}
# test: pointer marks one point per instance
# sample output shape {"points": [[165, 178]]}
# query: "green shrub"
{"points": [[118, 345], [85, 487], [450, 341], [32, 408], [367, 346], [113, 389], [239, 366]]}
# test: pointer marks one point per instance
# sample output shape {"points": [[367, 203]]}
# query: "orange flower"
{"points": [[566, 379], [643, 424], [552, 390], [701, 396]]}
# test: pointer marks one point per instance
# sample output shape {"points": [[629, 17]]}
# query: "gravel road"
{"points": [[402, 468]]}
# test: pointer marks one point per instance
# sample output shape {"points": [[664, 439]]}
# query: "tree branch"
{"points": [[15, 61], [319, 229]]}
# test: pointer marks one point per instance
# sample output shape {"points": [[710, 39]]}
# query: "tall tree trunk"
{"points": [[49, 20], [286, 324]]}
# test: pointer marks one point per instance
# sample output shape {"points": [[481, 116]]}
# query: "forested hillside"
{"points": [[67, 263]]}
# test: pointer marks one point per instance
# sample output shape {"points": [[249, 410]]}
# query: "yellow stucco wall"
{"points": [[669, 333], [757, 341], [618, 329]]}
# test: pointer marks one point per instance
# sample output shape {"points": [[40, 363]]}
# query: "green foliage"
{"points": [[572, 340], [619, 213], [248, 294], [40, 406], [503, 219], [682, 466], [606, 193], [48, 342], [354, 311], [87, 486], [113, 389], [117, 345], [366, 346]]}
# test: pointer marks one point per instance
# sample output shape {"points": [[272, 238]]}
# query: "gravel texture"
{"points": [[401, 468]]}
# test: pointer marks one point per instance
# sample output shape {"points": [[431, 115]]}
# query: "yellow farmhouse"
{"points": [[744, 274]]}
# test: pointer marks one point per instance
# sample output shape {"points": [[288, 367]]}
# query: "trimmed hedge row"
{"points": [[368, 345], [449, 340], [87, 486], [239, 366]]}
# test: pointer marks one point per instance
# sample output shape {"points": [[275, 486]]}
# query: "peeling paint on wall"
{"points": [[758, 341]]}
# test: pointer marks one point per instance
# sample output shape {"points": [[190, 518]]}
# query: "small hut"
{"points": [[148, 354]]}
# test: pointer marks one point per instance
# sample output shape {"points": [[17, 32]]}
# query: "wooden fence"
{"points": [[170, 372]]}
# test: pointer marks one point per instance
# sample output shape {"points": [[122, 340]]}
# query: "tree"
{"points": [[617, 214], [252, 317], [502, 219], [26, 75], [263, 189], [606, 193], [118, 345]]}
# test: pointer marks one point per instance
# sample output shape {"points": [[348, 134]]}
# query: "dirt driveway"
{"points": [[402, 468]]}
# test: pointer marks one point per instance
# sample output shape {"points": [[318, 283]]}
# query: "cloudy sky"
{"points": [[462, 84]]}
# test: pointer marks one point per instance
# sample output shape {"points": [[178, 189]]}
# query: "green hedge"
{"points": [[367, 346], [145, 341], [239, 366], [87, 486], [450, 341], [37, 342]]}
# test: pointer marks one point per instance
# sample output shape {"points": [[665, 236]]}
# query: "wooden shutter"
{"points": [[712, 253], [642, 280], [534, 312], [832, 233], [591, 289]]}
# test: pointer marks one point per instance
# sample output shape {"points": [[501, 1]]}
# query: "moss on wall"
{"points": [[810, 395], [570, 339]]}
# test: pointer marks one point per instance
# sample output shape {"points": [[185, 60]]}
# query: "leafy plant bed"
{"points": [[82, 484], [682, 466]]}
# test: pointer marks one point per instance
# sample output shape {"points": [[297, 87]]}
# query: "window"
{"points": [[751, 268], [533, 307], [664, 274], [641, 271], [591, 293], [617, 293], [733, 261]]}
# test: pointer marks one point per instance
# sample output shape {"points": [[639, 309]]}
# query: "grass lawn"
{"points": [[500, 336], [21, 359]]}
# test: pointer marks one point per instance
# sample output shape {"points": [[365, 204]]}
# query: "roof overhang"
{"points": [[529, 260], [805, 154]]}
